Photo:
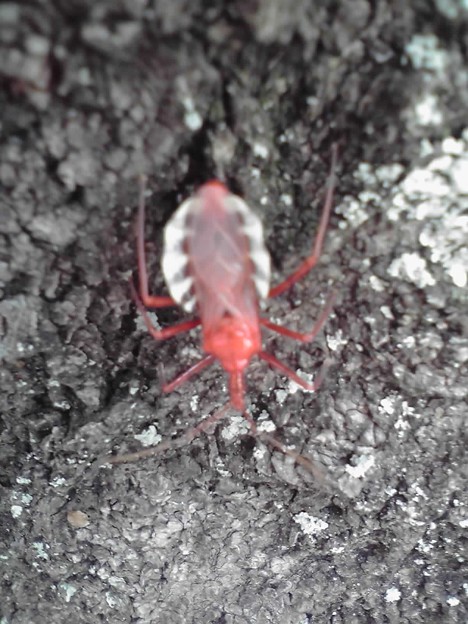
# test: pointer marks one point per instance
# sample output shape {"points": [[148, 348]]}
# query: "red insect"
{"points": [[216, 265]]}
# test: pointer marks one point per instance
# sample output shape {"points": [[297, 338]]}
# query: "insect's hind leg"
{"points": [[150, 301], [309, 263]]}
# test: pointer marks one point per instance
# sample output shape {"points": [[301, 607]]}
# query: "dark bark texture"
{"points": [[227, 530]]}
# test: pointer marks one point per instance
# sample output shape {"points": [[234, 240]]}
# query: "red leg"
{"points": [[150, 301], [311, 260], [275, 363], [190, 372], [167, 332], [307, 336]]}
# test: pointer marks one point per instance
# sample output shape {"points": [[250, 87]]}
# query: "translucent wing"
{"points": [[215, 257]]}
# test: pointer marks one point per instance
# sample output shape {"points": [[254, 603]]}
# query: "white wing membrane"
{"points": [[253, 229], [175, 260]]}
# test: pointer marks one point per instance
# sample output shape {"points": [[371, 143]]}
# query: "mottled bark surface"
{"points": [[227, 530]]}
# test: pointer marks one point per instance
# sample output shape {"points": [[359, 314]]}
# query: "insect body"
{"points": [[215, 262], [216, 265]]}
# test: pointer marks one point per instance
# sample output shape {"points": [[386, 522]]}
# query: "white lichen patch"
{"points": [[423, 184], [458, 273], [192, 117], [286, 199], [452, 9], [442, 209], [401, 425], [16, 511], [363, 464], [387, 405], [194, 402], [264, 423], [260, 150], [40, 549], [336, 340], [133, 388], [310, 525], [450, 145], [353, 210], [433, 63], [453, 601], [357, 210], [67, 590], [427, 110], [58, 482], [386, 312], [392, 594], [293, 387], [23, 480], [141, 325], [389, 174], [193, 120], [236, 426], [281, 396], [189, 352], [426, 53], [412, 268], [148, 437], [376, 283]]}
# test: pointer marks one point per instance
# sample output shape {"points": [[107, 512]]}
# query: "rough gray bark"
{"points": [[226, 530]]}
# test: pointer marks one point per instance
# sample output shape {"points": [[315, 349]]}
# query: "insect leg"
{"points": [[303, 461], [190, 372], [183, 440], [312, 387], [311, 260], [150, 301], [166, 332], [306, 336]]}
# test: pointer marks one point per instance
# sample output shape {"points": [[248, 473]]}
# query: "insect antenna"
{"points": [[183, 440], [186, 438]]}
